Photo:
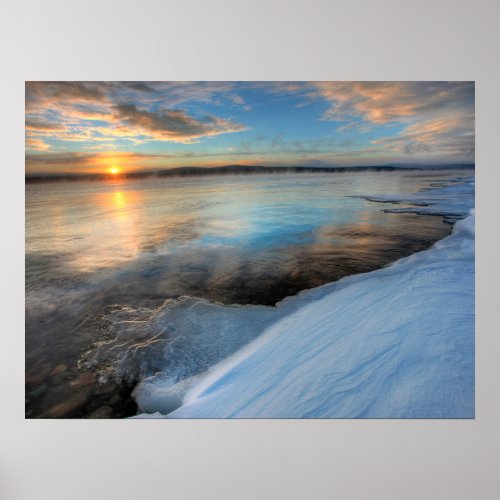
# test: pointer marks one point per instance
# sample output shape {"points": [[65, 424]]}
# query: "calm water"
{"points": [[91, 246]]}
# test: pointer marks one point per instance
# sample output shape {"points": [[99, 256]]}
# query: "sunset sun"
{"points": [[114, 170]]}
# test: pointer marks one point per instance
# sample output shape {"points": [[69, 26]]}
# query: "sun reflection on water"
{"points": [[109, 231], [119, 199]]}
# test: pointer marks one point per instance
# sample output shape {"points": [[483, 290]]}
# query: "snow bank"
{"points": [[393, 343]]}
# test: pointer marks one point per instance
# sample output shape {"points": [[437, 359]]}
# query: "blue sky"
{"points": [[131, 126]]}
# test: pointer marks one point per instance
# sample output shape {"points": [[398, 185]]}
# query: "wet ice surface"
{"points": [[121, 279]]}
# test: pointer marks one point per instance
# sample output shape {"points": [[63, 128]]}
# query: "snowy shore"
{"points": [[393, 343]]}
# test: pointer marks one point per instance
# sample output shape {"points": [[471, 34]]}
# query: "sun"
{"points": [[114, 170]]}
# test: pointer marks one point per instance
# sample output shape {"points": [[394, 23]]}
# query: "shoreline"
{"points": [[287, 303], [126, 406], [319, 292], [268, 394]]}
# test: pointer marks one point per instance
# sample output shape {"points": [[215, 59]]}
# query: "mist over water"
{"points": [[109, 264]]}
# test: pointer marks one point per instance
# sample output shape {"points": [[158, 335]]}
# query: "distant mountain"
{"points": [[238, 170]]}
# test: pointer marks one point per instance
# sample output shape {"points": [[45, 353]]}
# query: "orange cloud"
{"points": [[382, 102], [449, 134], [34, 144]]}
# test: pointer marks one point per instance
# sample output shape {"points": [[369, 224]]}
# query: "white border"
{"points": [[248, 40]]}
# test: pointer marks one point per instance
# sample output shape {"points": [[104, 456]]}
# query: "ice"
{"points": [[180, 339], [451, 198], [393, 343]]}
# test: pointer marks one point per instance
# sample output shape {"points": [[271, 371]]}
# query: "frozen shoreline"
{"points": [[396, 342], [393, 343]]}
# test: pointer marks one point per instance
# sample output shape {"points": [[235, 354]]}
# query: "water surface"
{"points": [[96, 247]]}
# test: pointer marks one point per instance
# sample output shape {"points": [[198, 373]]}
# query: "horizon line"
{"points": [[243, 169]]}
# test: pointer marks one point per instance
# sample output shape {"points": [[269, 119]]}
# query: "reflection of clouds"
{"points": [[107, 225], [374, 233], [111, 236], [144, 222], [229, 227], [231, 240], [265, 275]]}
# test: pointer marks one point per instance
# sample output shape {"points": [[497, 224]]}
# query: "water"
{"points": [[105, 256]]}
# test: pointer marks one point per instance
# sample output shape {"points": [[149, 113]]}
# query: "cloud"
{"points": [[138, 86], [37, 131], [81, 91], [132, 111], [383, 102], [452, 135], [174, 125], [174, 94], [422, 118], [438, 116], [41, 96], [239, 101], [33, 144], [43, 126], [278, 140], [60, 158]]}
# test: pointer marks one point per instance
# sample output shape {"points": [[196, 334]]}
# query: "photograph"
{"points": [[249, 250]]}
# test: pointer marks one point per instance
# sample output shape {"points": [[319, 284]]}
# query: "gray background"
{"points": [[248, 40]]}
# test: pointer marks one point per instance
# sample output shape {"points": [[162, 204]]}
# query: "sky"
{"points": [[113, 127]]}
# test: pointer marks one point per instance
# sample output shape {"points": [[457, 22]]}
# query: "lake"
{"points": [[98, 251]]}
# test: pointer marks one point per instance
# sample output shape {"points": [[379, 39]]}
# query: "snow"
{"points": [[393, 343]]}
